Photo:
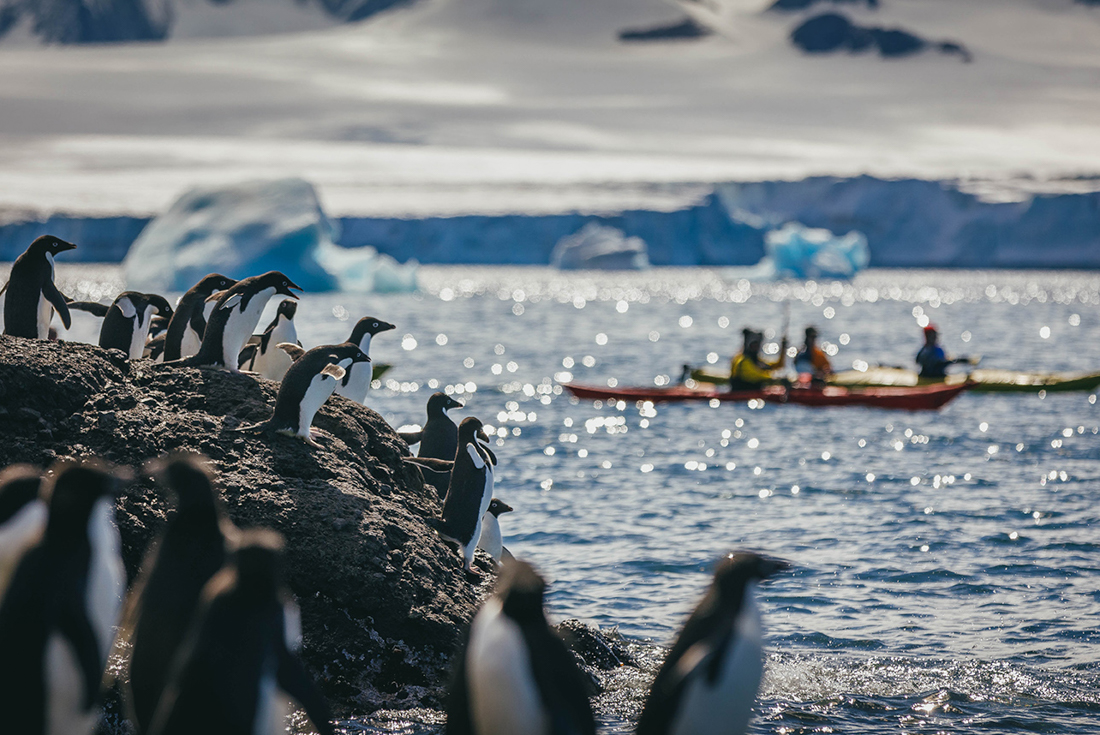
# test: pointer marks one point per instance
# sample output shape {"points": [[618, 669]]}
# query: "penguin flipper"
{"points": [[49, 290], [293, 679], [434, 465], [411, 437], [334, 371], [293, 350], [74, 625], [559, 682], [154, 348], [247, 356], [92, 307]]}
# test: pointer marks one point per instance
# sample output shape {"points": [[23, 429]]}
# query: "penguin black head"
{"points": [[520, 590], [187, 476], [737, 569], [498, 506], [369, 325], [50, 244], [19, 485], [214, 282], [287, 309], [258, 560], [468, 430], [440, 402], [73, 489], [164, 309], [279, 281], [349, 350]]}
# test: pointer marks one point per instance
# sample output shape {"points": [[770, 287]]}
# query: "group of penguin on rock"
{"points": [[210, 630]]}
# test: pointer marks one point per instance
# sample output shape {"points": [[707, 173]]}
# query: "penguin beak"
{"points": [[504, 507], [291, 287], [63, 246], [769, 566], [385, 327], [452, 403]]}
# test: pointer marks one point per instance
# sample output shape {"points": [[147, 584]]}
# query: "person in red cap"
{"points": [[932, 359]]}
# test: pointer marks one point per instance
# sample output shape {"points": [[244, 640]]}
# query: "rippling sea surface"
{"points": [[946, 564]]}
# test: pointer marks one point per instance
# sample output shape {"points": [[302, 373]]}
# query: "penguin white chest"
{"points": [[106, 575], [65, 713], [504, 699], [140, 332], [358, 382], [45, 308], [491, 540], [725, 705], [320, 388], [17, 535], [274, 363], [241, 324]]}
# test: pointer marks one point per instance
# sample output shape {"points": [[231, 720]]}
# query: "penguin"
{"points": [[261, 355], [188, 323], [469, 491], [30, 293], [306, 386], [491, 541], [438, 439], [356, 384], [127, 321], [191, 550], [709, 679], [515, 676], [22, 517], [234, 319], [57, 618], [239, 663]]}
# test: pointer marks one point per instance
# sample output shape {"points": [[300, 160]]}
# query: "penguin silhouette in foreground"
{"points": [[188, 323], [239, 664], [306, 386], [262, 355], [708, 682], [22, 517], [234, 319], [30, 295], [192, 548], [356, 383], [491, 541], [469, 492], [126, 322], [57, 618], [515, 676], [438, 439]]}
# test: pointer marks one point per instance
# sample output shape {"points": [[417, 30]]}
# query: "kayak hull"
{"points": [[921, 398], [999, 381]]}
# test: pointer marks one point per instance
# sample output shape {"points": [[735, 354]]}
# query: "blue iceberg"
{"points": [[796, 251], [252, 228], [597, 246]]}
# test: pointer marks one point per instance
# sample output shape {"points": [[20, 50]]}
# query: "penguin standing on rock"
{"points": [[438, 439], [708, 682], [356, 384], [191, 550], [188, 324], [491, 540], [469, 492], [22, 517], [58, 616], [307, 385], [126, 322], [262, 354], [31, 295], [234, 318], [515, 676], [239, 664]]}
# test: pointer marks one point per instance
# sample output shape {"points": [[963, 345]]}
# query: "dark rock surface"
{"points": [[384, 601]]}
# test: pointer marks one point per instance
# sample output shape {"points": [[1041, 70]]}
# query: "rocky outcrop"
{"points": [[384, 601]]}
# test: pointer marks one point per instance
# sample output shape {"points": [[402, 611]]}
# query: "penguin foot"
{"points": [[472, 575]]}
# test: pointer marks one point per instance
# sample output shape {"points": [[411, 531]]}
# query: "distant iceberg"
{"points": [[796, 251], [597, 246], [252, 228]]}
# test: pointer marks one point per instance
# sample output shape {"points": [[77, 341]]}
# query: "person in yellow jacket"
{"points": [[748, 370]]}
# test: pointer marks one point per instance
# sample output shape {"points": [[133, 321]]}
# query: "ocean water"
{"points": [[946, 569]]}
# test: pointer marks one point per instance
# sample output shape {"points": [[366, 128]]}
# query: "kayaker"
{"points": [[811, 359], [933, 361], [750, 371]]}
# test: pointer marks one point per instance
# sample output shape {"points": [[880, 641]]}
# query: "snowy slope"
{"points": [[498, 106]]}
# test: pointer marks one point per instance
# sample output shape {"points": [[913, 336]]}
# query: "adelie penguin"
{"points": [[191, 550], [438, 439], [22, 517], [58, 616], [356, 384], [708, 682], [234, 319], [515, 676], [262, 355], [30, 295], [188, 324], [126, 322], [491, 540], [239, 666], [307, 385], [469, 492]]}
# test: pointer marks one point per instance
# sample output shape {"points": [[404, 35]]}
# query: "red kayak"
{"points": [[917, 398]]}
